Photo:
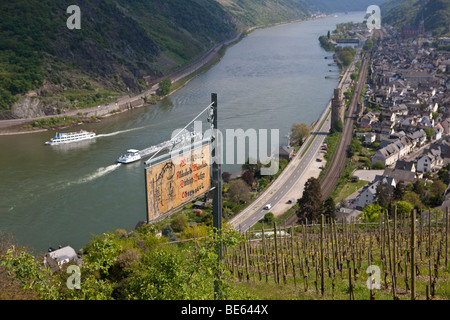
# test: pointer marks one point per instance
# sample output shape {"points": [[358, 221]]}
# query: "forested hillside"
{"points": [[436, 14], [342, 5], [119, 43]]}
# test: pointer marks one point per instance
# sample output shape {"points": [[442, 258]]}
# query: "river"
{"points": [[62, 195]]}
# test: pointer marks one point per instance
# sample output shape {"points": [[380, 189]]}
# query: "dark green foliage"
{"points": [[345, 55], [248, 177], [436, 14], [325, 44], [121, 40], [169, 234], [310, 205], [268, 218], [383, 195], [111, 38], [136, 266], [342, 5], [24, 31], [164, 86], [226, 176], [329, 208], [368, 44]]}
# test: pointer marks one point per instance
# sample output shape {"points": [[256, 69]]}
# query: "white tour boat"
{"points": [[61, 138], [132, 155]]}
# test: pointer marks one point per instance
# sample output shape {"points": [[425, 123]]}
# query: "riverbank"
{"points": [[126, 103]]}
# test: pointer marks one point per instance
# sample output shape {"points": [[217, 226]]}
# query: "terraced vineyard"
{"points": [[396, 258]]}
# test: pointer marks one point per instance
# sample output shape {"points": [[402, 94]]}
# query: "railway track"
{"points": [[332, 176]]}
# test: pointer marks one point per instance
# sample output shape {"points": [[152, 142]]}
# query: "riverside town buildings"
{"points": [[406, 113]]}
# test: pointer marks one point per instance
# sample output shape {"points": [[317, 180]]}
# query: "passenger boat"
{"points": [[132, 155], [61, 138]]}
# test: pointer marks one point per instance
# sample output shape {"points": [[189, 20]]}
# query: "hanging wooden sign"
{"points": [[176, 181]]}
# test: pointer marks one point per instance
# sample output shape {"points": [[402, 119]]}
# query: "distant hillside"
{"points": [[119, 43], [436, 14], [264, 12], [342, 5]]}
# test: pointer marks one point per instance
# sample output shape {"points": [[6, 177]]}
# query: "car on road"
{"points": [[268, 206]]}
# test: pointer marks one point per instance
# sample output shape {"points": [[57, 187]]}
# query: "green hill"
{"points": [[343, 5], [119, 43], [436, 14]]}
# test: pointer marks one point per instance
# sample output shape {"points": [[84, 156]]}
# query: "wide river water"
{"points": [[62, 195]]}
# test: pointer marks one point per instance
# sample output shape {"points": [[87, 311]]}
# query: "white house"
{"points": [[438, 131], [430, 160], [368, 194], [55, 259], [387, 155]]}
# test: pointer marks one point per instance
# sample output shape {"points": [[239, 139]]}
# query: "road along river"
{"points": [[52, 196]]}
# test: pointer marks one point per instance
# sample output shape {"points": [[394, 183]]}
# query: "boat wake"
{"points": [[117, 132], [100, 172]]}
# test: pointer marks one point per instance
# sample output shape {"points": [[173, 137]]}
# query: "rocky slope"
{"points": [[123, 46]]}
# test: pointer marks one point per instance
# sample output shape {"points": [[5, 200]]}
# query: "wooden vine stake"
{"points": [[446, 237], [413, 255], [322, 258]]}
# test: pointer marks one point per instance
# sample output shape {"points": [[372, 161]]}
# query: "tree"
{"points": [[355, 147], [368, 44], [254, 167], [419, 188], [413, 198], [438, 188], [310, 204], [268, 218], [371, 213], [399, 191], [226, 176], [262, 183], [404, 208], [299, 132], [164, 86], [248, 177], [179, 223], [168, 233], [379, 165], [383, 195], [430, 133], [329, 208], [239, 191]]}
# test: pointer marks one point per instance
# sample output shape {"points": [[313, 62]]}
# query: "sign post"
{"points": [[217, 185], [184, 177], [176, 181]]}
